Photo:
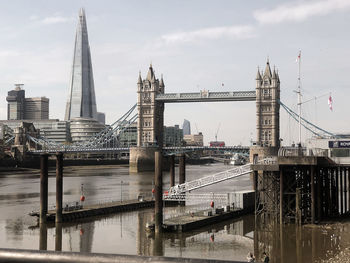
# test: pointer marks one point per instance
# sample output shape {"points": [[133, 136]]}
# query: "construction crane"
{"points": [[217, 131]]}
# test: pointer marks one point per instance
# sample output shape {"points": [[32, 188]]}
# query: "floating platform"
{"points": [[199, 219], [97, 210], [82, 212]]}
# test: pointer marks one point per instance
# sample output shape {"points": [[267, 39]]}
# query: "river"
{"points": [[125, 233]]}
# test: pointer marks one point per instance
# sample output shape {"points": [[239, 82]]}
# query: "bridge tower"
{"points": [[267, 108], [150, 123], [150, 113]]}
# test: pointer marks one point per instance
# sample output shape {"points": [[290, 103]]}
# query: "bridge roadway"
{"points": [[206, 96], [166, 150]]}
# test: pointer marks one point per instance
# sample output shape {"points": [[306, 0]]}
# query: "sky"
{"points": [[196, 45]]}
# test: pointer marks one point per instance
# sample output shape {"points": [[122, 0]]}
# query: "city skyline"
{"points": [[216, 47]]}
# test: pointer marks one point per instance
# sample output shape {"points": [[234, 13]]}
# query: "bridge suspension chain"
{"points": [[305, 122]]}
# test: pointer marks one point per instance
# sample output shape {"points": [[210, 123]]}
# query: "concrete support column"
{"points": [[172, 170], [182, 169], [313, 196], [43, 187], [59, 187], [158, 203]]}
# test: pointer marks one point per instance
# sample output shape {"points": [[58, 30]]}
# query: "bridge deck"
{"points": [[206, 96]]}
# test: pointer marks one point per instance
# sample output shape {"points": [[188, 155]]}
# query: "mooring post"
{"points": [[172, 170], [59, 187], [313, 204], [182, 169], [43, 237], [43, 187], [58, 237], [158, 203]]}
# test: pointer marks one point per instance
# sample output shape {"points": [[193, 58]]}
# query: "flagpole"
{"points": [[299, 99]]}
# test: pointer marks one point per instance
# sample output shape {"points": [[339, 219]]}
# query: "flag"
{"points": [[330, 102], [298, 58]]}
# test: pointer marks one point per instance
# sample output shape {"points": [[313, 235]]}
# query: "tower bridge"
{"points": [[151, 98]]}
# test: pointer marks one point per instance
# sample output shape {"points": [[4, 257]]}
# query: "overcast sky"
{"points": [[195, 44]]}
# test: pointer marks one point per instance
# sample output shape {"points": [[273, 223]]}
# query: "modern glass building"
{"points": [[186, 127], [81, 101]]}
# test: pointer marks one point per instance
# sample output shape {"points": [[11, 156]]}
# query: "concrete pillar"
{"points": [[43, 187], [182, 169], [158, 203], [59, 187], [313, 196], [172, 170]]}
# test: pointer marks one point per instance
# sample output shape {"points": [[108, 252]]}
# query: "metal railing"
{"points": [[38, 256]]}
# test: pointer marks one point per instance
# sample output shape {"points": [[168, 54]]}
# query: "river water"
{"points": [[125, 233]]}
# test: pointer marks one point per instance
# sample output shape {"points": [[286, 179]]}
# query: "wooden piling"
{"points": [[43, 187], [281, 196], [313, 203], [158, 205], [172, 170], [182, 169], [345, 190], [59, 187], [341, 192]]}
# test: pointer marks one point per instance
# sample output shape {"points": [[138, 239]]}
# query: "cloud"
{"points": [[211, 33], [54, 19], [8, 53], [297, 12]]}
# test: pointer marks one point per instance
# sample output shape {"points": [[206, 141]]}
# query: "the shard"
{"points": [[81, 100]]}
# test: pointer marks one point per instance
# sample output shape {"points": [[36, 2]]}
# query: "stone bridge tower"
{"points": [[150, 123], [267, 113], [150, 113]]}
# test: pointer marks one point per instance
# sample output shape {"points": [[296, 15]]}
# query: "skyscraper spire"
{"points": [[81, 100]]}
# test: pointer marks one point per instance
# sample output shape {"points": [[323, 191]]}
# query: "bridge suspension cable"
{"points": [[305, 123]]}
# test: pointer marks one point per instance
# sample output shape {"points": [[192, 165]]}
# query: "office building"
{"points": [[173, 136], [15, 106], [186, 127], [194, 139], [36, 108], [81, 101]]}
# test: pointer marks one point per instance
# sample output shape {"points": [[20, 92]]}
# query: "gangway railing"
{"points": [[217, 177]]}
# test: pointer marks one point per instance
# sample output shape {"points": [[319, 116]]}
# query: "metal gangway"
{"points": [[177, 192]]}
